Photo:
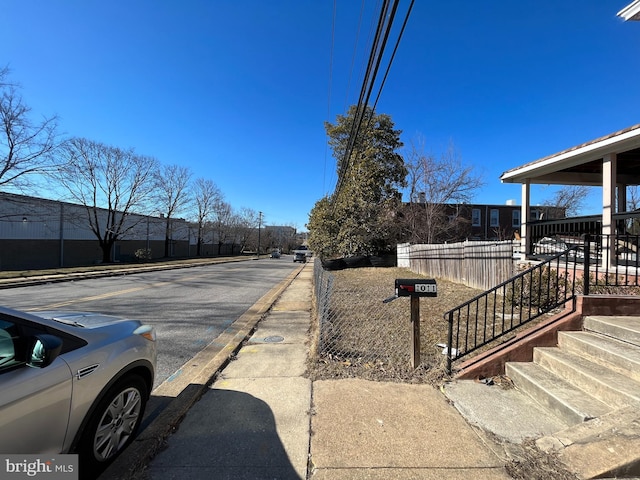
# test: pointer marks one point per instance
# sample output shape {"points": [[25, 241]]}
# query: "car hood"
{"points": [[80, 319]]}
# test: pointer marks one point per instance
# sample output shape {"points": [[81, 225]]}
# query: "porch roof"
{"points": [[582, 164], [631, 11]]}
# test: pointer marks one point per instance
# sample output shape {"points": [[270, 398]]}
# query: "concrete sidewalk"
{"points": [[263, 419]]}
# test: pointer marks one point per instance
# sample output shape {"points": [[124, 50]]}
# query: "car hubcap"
{"points": [[117, 423]]}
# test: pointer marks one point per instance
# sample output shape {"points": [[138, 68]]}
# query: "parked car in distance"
{"points": [[301, 253], [73, 382], [275, 253]]}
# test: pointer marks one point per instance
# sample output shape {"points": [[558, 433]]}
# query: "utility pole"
{"points": [[259, 225]]}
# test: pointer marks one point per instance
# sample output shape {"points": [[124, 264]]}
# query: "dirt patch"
{"points": [[527, 462]]}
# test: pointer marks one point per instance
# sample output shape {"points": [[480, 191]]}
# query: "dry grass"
{"points": [[362, 291], [372, 341]]}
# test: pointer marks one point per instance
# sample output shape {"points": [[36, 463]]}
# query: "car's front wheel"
{"points": [[114, 423]]}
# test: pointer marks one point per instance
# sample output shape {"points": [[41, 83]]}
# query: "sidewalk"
{"points": [[263, 419]]}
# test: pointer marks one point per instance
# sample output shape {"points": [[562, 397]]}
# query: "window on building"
{"points": [[515, 218], [535, 215], [475, 218], [494, 217]]}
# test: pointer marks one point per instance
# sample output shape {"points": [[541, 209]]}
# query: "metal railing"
{"points": [[607, 260], [570, 264], [515, 302], [611, 261], [592, 225]]}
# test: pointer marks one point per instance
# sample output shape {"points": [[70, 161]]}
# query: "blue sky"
{"points": [[239, 91]]}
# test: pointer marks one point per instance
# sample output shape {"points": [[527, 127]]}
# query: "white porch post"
{"points": [[609, 174], [525, 210]]}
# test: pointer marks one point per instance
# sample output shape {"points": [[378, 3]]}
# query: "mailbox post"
{"points": [[415, 288]]}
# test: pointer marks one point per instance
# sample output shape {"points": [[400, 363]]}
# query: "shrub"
{"points": [[539, 288], [142, 254]]}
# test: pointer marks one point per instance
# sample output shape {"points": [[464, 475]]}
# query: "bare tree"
{"points": [[436, 186], [633, 198], [172, 196], [26, 147], [223, 220], [571, 198], [206, 196], [111, 183], [633, 204], [246, 225]]}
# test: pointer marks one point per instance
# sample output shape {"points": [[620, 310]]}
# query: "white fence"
{"points": [[480, 265]]}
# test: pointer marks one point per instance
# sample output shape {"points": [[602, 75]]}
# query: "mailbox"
{"points": [[416, 287]]}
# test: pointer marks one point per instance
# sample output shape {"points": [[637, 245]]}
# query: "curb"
{"points": [[70, 277], [201, 373]]}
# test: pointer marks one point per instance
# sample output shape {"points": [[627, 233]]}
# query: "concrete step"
{"points": [[606, 385], [569, 403], [591, 381], [626, 329], [619, 356], [605, 447]]}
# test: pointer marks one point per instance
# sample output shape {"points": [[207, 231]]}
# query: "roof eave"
{"points": [[631, 11], [593, 151]]}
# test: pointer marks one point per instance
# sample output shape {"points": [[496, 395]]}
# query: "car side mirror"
{"points": [[44, 350]]}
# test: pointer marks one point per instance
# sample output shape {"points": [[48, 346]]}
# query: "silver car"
{"points": [[73, 383]]}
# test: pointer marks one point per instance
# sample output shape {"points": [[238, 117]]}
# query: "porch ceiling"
{"points": [[582, 165]]}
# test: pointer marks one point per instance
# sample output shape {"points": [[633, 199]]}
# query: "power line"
{"points": [[395, 49], [375, 58], [383, 30], [333, 32], [353, 56]]}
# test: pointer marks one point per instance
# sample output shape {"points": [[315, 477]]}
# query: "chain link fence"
{"points": [[356, 335]]}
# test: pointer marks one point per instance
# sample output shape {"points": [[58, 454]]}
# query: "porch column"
{"points": [[609, 174], [525, 211]]}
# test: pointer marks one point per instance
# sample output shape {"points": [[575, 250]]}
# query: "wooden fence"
{"points": [[481, 265]]}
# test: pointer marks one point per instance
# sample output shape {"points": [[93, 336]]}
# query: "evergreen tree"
{"points": [[359, 217]]}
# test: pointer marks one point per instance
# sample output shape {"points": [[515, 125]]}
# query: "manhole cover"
{"points": [[274, 339]]}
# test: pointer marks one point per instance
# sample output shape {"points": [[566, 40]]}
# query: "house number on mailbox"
{"points": [[426, 288]]}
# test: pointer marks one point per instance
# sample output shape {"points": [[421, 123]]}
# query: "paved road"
{"points": [[189, 307]]}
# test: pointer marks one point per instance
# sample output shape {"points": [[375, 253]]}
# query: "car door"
{"points": [[34, 402]]}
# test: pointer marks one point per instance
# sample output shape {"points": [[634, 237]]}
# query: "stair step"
{"points": [[566, 401], [624, 328], [606, 447], [606, 385], [622, 357]]}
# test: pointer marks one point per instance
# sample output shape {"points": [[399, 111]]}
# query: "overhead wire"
{"points": [[353, 56], [333, 33], [359, 111], [375, 59], [393, 55], [384, 24]]}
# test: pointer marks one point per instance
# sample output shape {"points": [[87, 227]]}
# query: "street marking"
{"points": [[174, 376]]}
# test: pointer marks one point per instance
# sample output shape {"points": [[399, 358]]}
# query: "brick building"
{"points": [[459, 222]]}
